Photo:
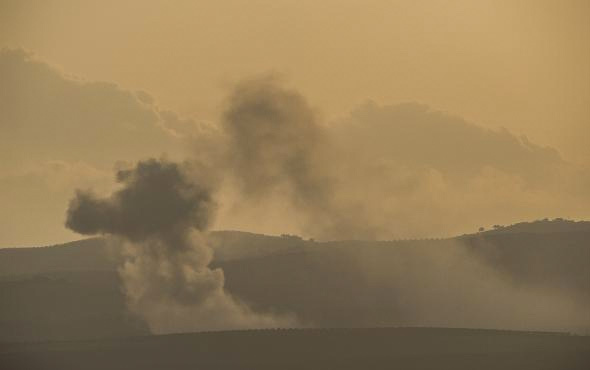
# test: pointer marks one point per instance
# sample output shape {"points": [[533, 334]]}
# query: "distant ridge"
{"points": [[53, 292], [541, 226]]}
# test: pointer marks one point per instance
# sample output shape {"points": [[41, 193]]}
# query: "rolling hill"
{"points": [[72, 291]]}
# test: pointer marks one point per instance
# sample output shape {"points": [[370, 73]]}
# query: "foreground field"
{"points": [[402, 348]]}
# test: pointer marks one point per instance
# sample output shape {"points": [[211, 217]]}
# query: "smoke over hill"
{"points": [[161, 215], [381, 171]]}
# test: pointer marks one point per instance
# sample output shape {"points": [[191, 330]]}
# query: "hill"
{"points": [[542, 226], [72, 291]]}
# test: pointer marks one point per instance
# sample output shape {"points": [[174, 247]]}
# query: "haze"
{"points": [[475, 66], [294, 184]]}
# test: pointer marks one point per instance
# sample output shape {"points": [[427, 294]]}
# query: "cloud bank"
{"points": [[59, 133], [380, 172]]}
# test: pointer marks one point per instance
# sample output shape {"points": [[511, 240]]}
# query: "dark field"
{"points": [[401, 348]]}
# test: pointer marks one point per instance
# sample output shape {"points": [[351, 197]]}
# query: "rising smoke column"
{"points": [[162, 217], [275, 143]]}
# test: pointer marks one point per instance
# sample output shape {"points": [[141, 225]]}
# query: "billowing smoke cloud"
{"points": [[274, 138], [275, 145], [381, 172], [386, 172], [162, 216]]}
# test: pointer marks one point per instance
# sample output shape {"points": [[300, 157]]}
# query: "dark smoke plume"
{"points": [[274, 138], [275, 144], [157, 201], [162, 216]]}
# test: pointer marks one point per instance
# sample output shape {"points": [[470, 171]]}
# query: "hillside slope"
{"points": [[72, 291]]}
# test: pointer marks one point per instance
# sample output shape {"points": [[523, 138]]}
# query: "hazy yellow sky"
{"points": [[407, 170], [524, 64]]}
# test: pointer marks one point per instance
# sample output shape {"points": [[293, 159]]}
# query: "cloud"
{"points": [[383, 171], [59, 132], [416, 135], [418, 172], [46, 114]]}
